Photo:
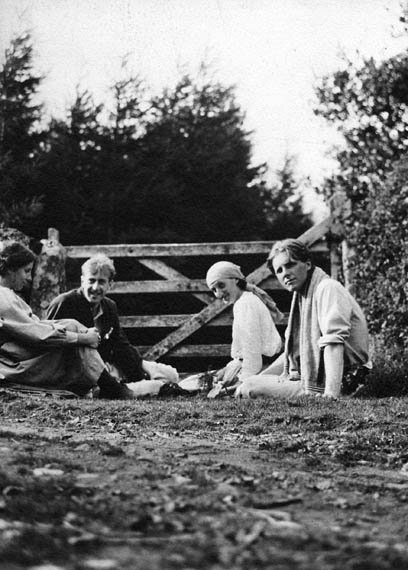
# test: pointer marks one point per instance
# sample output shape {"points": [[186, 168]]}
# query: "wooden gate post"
{"points": [[347, 253], [339, 208], [49, 273]]}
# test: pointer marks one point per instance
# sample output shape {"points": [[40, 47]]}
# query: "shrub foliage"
{"points": [[369, 105]]}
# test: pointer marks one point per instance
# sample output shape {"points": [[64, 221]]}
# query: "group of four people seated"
{"points": [[81, 347]]}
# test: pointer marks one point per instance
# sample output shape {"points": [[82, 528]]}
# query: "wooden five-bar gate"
{"points": [[173, 330]]}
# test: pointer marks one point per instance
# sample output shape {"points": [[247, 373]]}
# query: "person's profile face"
{"points": [[21, 277], [291, 273], [227, 290], [95, 285]]}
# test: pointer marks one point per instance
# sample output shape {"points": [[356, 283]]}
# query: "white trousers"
{"points": [[268, 384]]}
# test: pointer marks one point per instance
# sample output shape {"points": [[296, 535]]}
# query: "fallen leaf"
{"points": [[91, 480], [322, 485], [341, 503], [83, 447], [100, 564], [226, 489], [47, 567], [181, 480], [45, 472], [269, 503], [11, 490], [113, 451]]}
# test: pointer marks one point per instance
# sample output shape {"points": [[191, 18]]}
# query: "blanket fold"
{"points": [[303, 317]]}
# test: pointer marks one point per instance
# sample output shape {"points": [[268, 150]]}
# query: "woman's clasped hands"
{"points": [[91, 337]]}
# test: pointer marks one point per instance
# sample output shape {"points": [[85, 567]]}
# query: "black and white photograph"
{"points": [[203, 284]]}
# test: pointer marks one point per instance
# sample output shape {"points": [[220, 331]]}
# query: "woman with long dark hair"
{"points": [[44, 354]]}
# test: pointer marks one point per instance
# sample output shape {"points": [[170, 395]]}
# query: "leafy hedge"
{"points": [[368, 103], [377, 228]]}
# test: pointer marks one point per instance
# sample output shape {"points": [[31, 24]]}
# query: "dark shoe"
{"points": [[111, 389], [172, 390], [125, 393], [354, 381]]}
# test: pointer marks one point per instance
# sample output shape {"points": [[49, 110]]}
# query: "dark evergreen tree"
{"points": [[176, 167], [20, 138], [195, 181], [89, 165], [69, 172], [284, 203], [121, 153]]}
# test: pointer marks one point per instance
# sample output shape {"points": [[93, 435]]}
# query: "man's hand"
{"points": [[230, 373]]}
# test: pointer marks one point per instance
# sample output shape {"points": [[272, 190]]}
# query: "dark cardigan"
{"points": [[115, 346]]}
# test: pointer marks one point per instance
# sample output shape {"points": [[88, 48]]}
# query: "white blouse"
{"points": [[253, 334]]}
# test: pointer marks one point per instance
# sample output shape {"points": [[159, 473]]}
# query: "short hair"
{"points": [[99, 262], [14, 255], [294, 248]]}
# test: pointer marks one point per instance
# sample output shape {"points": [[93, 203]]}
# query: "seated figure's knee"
{"points": [[72, 325]]}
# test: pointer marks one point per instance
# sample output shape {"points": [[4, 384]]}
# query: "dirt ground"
{"points": [[189, 483]]}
